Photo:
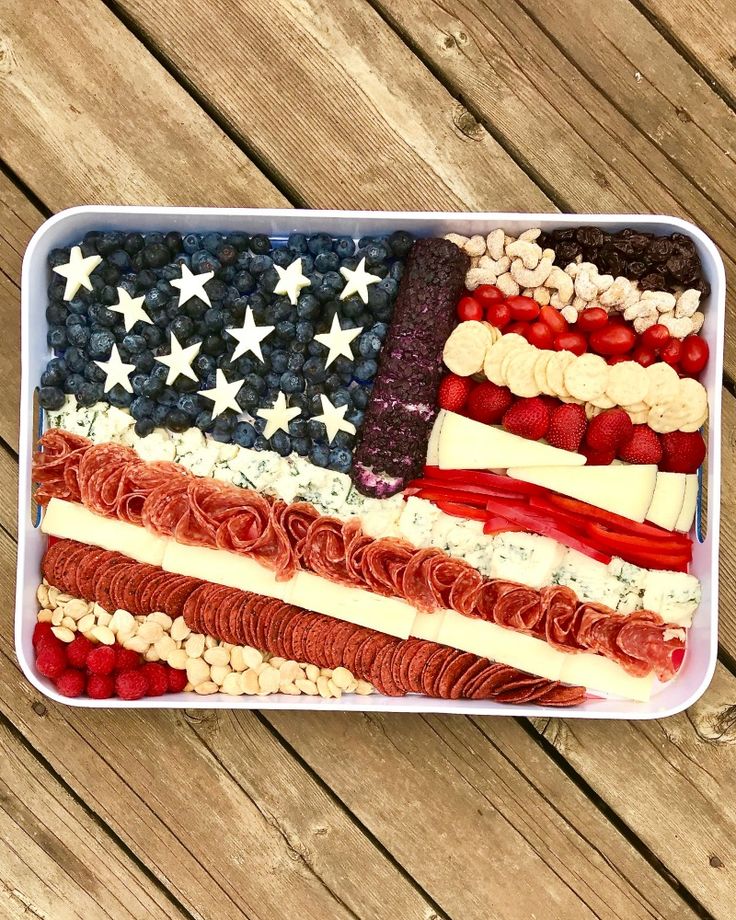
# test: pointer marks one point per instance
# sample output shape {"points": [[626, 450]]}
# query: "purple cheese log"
{"points": [[403, 405]]}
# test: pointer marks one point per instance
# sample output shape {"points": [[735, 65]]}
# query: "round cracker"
{"points": [[465, 349], [664, 418], [693, 394], [586, 377], [497, 352], [627, 383], [540, 371], [662, 383], [556, 373], [603, 402], [520, 372]]}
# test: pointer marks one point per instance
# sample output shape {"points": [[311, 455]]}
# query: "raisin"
{"points": [[637, 269], [590, 237], [660, 249], [654, 281]]}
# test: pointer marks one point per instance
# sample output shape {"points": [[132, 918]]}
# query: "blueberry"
{"points": [[308, 307], [281, 443], [244, 282], [285, 330], [204, 261], [184, 384], [244, 434], [204, 420], [145, 362], [73, 383], [141, 407], [56, 337], [273, 380], [300, 446], [216, 289], [344, 247], [75, 359], [156, 255], [89, 393], [94, 372], [55, 373], [327, 262], [255, 381], [238, 240], [100, 344], [342, 366], [51, 397], [314, 370], [211, 241], [319, 455], [297, 243], [369, 344], [343, 439], [298, 425], [56, 314], [109, 294], [77, 335], [153, 335], [341, 397], [119, 397], [143, 427], [177, 420], [389, 285], [261, 443], [246, 365], [223, 428], [340, 460], [247, 398], [332, 383], [360, 397], [400, 242], [133, 243], [396, 271], [260, 264], [173, 241], [282, 257], [152, 386], [365, 241], [260, 244], [213, 345], [318, 243], [296, 361], [315, 430], [158, 416], [154, 236], [356, 417], [214, 320], [365, 371], [291, 382], [304, 331], [134, 344], [168, 397]]}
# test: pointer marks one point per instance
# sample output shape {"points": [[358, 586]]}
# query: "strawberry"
{"points": [[609, 429], [529, 418], [567, 426], [597, 457], [643, 446], [487, 403], [682, 451], [454, 392]]}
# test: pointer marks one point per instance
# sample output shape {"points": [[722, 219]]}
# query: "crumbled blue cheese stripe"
{"points": [[523, 557]]}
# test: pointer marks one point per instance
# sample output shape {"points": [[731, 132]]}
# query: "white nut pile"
{"points": [[211, 666], [518, 265]]}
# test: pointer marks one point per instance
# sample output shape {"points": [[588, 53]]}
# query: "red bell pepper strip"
{"points": [[461, 511], [622, 543], [427, 483], [453, 495], [496, 481], [496, 524]]}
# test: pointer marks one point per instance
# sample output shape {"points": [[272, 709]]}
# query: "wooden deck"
{"points": [[459, 104]]}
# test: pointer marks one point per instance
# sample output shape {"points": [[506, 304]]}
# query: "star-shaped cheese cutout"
{"points": [[291, 280], [358, 281], [116, 371], [249, 337], [223, 394], [338, 340], [77, 271], [278, 418], [333, 418], [132, 309], [192, 285], [179, 361]]}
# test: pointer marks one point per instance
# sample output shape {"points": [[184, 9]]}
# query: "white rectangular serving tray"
{"points": [[68, 227]]}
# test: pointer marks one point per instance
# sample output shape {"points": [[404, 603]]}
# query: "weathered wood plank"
{"points": [[85, 123], [705, 28], [55, 861], [565, 128], [353, 101]]}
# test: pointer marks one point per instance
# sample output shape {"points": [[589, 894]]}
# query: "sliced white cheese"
{"points": [[433, 446], [465, 444], [223, 568], [669, 494], [72, 521], [624, 490], [690, 500], [428, 625]]}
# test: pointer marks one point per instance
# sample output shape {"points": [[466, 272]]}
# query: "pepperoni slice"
{"points": [[56, 465], [561, 695]]}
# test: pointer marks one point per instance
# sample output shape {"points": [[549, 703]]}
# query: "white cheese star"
{"points": [[179, 360], [131, 308], [333, 418], [223, 394], [291, 280], [278, 417], [358, 281], [249, 337], [116, 371], [77, 271], [338, 340], [192, 285]]}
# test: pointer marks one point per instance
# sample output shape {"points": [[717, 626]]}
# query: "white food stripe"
{"points": [[355, 605], [518, 557]]}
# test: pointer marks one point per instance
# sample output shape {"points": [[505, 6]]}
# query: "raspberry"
{"points": [[131, 685], [51, 660], [529, 418], [101, 660], [177, 680], [597, 457], [70, 682], [682, 451], [567, 427], [643, 446], [126, 659], [100, 687], [453, 392], [487, 403], [78, 650], [158, 680], [41, 632], [608, 430]]}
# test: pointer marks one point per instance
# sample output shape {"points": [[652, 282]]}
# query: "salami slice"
{"points": [[561, 617], [138, 481], [56, 465], [165, 506], [518, 608], [464, 592], [241, 531], [642, 638], [324, 550], [296, 519], [356, 543], [488, 596], [384, 562]]}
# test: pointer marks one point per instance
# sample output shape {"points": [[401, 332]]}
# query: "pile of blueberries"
{"points": [[83, 330]]}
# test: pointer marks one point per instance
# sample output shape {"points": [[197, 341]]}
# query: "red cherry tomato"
{"points": [[487, 294], [671, 352], [468, 308], [554, 319], [655, 337], [643, 355], [591, 319], [540, 334], [612, 339], [518, 328], [693, 354], [571, 341], [498, 314], [523, 308]]}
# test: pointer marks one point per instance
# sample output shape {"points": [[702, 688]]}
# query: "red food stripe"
{"points": [[394, 666], [211, 513]]}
